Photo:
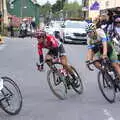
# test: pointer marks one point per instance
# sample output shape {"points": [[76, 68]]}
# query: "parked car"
{"points": [[74, 32]]}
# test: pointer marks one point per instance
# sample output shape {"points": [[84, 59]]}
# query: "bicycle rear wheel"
{"points": [[56, 81], [106, 86], [11, 101], [79, 89]]}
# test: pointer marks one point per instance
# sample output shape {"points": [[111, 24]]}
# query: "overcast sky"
{"points": [[53, 1]]}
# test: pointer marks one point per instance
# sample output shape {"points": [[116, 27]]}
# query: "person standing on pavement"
{"points": [[11, 28]]}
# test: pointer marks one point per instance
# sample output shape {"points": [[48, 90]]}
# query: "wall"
{"points": [[104, 4]]}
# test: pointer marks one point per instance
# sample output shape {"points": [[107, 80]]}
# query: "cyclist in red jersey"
{"points": [[56, 49]]}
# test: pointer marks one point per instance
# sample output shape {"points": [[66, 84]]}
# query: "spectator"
{"points": [[33, 24], [11, 28]]}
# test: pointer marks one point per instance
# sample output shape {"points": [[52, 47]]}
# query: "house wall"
{"points": [[104, 4], [24, 8]]}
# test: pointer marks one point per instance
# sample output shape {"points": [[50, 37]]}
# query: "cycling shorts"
{"points": [[57, 52], [111, 53]]}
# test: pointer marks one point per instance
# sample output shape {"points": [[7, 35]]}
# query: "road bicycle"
{"points": [[60, 80], [108, 79], [10, 96]]}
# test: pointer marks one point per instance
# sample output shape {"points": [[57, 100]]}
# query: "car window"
{"points": [[76, 24]]}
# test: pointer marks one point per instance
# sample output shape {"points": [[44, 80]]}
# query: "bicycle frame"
{"points": [[106, 67]]}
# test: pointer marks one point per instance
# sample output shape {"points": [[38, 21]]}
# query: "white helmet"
{"points": [[90, 27]]}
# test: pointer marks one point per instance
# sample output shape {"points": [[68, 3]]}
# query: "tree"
{"points": [[72, 9], [45, 11], [58, 6], [61, 7]]}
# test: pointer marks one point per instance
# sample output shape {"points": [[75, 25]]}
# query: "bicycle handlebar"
{"points": [[92, 62], [45, 61], [104, 62], [88, 65]]}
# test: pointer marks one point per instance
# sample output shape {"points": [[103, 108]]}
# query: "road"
{"points": [[18, 59]]}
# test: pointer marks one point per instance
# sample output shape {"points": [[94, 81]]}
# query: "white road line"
{"points": [[108, 115]]}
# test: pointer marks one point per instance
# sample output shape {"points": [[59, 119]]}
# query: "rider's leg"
{"points": [[48, 59], [117, 68], [64, 61], [115, 62]]}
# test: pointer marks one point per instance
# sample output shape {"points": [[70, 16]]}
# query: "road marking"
{"points": [[109, 116]]}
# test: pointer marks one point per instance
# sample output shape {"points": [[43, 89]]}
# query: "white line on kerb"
{"points": [[108, 115]]}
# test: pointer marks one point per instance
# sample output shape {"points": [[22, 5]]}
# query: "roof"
{"points": [[33, 1], [76, 19]]}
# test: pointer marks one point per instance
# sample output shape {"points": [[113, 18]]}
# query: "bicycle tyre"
{"points": [[107, 82], [15, 86], [59, 75], [78, 90]]}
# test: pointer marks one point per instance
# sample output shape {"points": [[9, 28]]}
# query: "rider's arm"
{"points": [[104, 40], [40, 52], [105, 50], [89, 46], [89, 54]]}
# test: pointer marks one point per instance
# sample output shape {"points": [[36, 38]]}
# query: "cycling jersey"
{"points": [[96, 45], [55, 47], [50, 43], [99, 37]]}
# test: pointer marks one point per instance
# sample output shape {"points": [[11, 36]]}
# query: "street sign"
{"points": [[95, 6]]}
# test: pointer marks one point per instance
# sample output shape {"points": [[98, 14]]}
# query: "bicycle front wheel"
{"points": [[56, 81], [106, 86], [11, 101], [78, 89]]}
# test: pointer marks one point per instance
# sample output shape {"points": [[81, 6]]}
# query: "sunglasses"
{"points": [[117, 22], [39, 37]]}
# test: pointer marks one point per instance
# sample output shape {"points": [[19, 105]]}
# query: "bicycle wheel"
{"points": [[56, 81], [11, 101], [79, 89], [106, 86]]}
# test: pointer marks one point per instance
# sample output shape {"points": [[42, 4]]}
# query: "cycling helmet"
{"points": [[40, 33], [90, 27]]}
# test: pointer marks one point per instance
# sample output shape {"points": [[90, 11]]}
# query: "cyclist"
{"points": [[116, 36], [100, 46], [56, 49]]}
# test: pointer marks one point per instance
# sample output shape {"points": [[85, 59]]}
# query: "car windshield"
{"points": [[56, 24], [76, 25]]}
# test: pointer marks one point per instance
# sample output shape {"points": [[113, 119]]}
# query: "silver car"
{"points": [[74, 32]]}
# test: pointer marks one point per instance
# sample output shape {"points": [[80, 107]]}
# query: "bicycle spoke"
{"points": [[11, 101], [106, 86], [57, 82]]}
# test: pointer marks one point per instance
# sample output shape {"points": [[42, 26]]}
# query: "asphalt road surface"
{"points": [[18, 59]]}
